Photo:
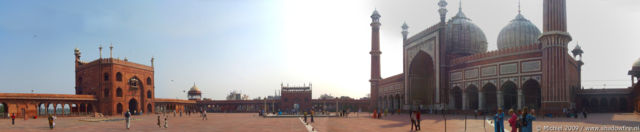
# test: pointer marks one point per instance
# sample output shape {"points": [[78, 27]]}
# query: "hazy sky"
{"points": [[252, 46]]}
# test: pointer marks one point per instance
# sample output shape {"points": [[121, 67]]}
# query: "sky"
{"points": [[254, 46]]}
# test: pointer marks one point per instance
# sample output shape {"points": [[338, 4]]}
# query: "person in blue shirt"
{"points": [[498, 121], [527, 122]]}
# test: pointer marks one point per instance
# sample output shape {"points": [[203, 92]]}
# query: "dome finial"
{"points": [[460, 6], [518, 6]]}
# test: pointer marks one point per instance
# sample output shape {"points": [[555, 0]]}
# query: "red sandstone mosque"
{"points": [[112, 86], [447, 67]]}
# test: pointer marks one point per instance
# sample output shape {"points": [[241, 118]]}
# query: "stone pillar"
{"points": [[46, 109], [520, 99], [464, 101], [481, 100], [55, 109], [500, 101]]}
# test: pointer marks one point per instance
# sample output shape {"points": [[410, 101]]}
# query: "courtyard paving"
{"points": [[360, 122]]}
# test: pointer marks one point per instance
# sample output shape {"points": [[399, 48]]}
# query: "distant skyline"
{"points": [[254, 46]]}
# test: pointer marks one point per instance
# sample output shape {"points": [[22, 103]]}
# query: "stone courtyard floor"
{"points": [[242, 122]]}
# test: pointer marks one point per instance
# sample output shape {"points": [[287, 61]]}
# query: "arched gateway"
{"points": [[421, 81], [133, 106]]}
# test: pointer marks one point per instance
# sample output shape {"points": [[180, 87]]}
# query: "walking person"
{"points": [[13, 118], [499, 122], [204, 115], [528, 119], [166, 122], [513, 121], [584, 112], [159, 125], [413, 120], [51, 123], [127, 117], [418, 120], [386, 111], [305, 117], [475, 114], [374, 113], [312, 113], [180, 113]]}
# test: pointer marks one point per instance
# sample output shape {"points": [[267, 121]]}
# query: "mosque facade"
{"points": [[447, 66]]}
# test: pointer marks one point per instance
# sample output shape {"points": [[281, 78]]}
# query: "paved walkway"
{"points": [[216, 122], [430, 123], [252, 122]]}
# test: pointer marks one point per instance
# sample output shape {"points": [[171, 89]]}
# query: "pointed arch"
{"points": [[106, 76], [490, 101], [472, 97], [509, 95], [532, 93], [421, 80], [119, 92], [119, 76]]}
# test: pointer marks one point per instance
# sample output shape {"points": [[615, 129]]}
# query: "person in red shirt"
{"points": [[513, 120], [418, 120], [13, 119]]}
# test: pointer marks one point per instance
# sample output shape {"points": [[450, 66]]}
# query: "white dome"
{"points": [[518, 32]]}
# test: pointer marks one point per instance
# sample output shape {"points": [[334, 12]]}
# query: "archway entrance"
{"points": [[421, 80], [623, 105], [472, 97], [457, 97], [510, 95], [532, 94], [149, 108], [4, 110], [133, 106], [490, 97], [119, 108]]}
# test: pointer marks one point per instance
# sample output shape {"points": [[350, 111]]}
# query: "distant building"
{"points": [[326, 96], [295, 98], [194, 93], [234, 96]]}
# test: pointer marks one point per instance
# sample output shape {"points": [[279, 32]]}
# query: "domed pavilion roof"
{"points": [[518, 32], [194, 89], [464, 37]]}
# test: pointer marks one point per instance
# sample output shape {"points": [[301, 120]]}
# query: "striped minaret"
{"points": [[375, 58], [555, 90]]}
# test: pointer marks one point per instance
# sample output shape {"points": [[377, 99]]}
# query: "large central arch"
{"points": [[421, 80]]}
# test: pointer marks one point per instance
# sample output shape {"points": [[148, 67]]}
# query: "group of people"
{"points": [[574, 113], [160, 124], [415, 120], [311, 113], [51, 120], [520, 120]]}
